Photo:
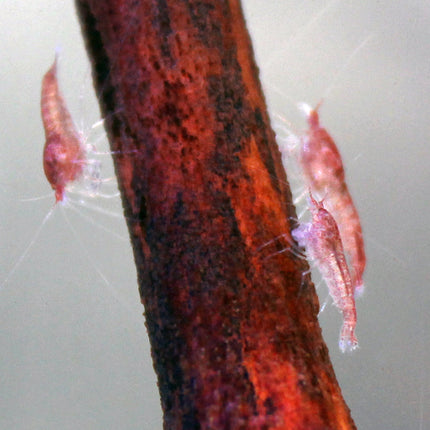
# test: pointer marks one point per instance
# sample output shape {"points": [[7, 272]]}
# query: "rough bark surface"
{"points": [[235, 338]]}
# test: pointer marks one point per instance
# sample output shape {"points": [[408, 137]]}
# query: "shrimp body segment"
{"points": [[323, 243], [323, 168], [64, 152]]}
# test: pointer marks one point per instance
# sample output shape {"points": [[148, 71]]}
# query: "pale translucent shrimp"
{"points": [[323, 168], [64, 153], [323, 245], [65, 159]]}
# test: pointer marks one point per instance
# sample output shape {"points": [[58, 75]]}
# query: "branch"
{"points": [[235, 338]]}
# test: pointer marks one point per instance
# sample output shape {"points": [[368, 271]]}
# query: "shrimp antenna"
{"points": [[345, 65], [302, 30], [29, 246], [115, 293]]}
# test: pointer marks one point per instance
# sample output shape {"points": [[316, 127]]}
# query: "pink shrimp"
{"points": [[64, 152], [323, 168], [64, 158], [323, 244]]}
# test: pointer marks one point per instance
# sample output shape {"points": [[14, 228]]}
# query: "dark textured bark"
{"points": [[235, 338]]}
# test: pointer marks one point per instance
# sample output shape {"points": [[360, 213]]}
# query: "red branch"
{"points": [[235, 338]]}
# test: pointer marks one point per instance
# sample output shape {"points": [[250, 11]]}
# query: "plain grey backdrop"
{"points": [[74, 350]]}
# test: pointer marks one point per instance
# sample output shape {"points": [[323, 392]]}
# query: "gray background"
{"points": [[74, 351]]}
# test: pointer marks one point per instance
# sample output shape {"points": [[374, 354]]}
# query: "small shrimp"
{"points": [[64, 153], [323, 168], [322, 241], [65, 161]]}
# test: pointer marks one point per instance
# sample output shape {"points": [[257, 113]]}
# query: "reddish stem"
{"points": [[235, 338]]}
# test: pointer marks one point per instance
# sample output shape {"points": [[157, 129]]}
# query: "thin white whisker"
{"points": [[98, 225], [34, 199], [28, 248], [113, 290], [95, 208], [301, 32], [346, 64]]}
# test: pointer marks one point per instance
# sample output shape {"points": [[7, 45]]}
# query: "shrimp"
{"points": [[64, 154], [322, 241], [65, 161], [322, 166]]}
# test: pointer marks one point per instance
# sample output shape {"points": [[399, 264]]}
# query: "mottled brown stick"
{"points": [[235, 338]]}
